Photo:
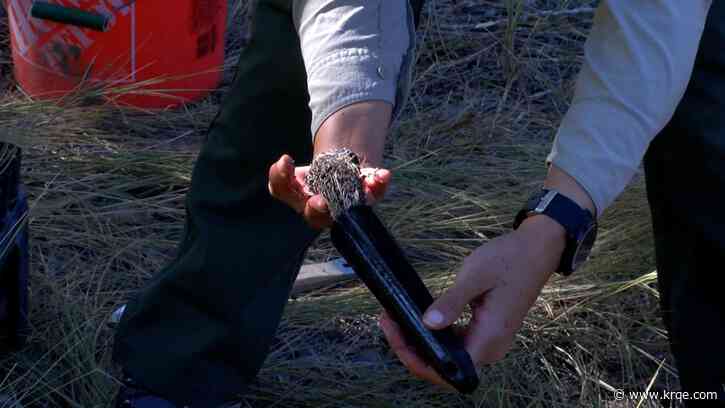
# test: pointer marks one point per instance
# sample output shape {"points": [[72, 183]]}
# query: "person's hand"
{"points": [[500, 281], [287, 184]]}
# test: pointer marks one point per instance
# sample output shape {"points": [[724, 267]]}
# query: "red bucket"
{"points": [[154, 53]]}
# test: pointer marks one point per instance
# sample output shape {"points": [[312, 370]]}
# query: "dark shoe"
{"points": [[130, 396]]}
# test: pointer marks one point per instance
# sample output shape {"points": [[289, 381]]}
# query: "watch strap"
{"points": [[568, 213]]}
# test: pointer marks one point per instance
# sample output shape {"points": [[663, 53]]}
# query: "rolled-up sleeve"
{"points": [[637, 62], [354, 51]]}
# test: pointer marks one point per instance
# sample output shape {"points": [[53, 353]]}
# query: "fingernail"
{"points": [[433, 318]]}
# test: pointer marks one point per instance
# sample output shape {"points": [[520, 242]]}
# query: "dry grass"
{"points": [[492, 81]]}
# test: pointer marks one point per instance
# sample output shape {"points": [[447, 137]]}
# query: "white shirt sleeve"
{"points": [[638, 61]]}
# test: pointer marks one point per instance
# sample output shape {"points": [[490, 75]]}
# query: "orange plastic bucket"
{"points": [[154, 54]]}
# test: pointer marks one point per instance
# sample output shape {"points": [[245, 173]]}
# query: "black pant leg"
{"points": [[685, 173]]}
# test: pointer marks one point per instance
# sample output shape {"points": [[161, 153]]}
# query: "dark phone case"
{"points": [[362, 239]]}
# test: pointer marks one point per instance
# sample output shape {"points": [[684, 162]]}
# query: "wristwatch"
{"points": [[579, 223]]}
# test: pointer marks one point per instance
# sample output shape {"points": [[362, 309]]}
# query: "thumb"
{"points": [[446, 309]]}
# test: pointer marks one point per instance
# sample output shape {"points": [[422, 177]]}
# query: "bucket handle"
{"points": [[69, 15]]}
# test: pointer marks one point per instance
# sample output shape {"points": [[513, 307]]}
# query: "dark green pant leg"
{"points": [[685, 172], [690, 282], [203, 327]]}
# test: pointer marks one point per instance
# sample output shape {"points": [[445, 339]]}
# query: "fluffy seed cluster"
{"points": [[336, 176]]}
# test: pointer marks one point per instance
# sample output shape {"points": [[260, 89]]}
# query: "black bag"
{"points": [[14, 253]]}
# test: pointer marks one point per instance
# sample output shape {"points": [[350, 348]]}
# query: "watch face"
{"points": [[586, 242]]}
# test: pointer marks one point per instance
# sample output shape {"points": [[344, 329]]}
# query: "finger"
{"points": [[376, 184], [391, 331], [449, 306], [282, 171], [472, 281], [284, 186], [407, 354], [316, 212], [490, 331], [420, 369]]}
